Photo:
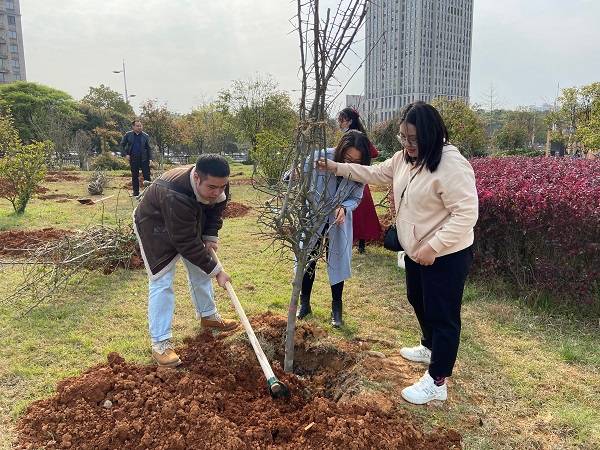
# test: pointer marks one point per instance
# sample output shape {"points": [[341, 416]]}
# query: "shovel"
{"points": [[276, 388], [91, 201]]}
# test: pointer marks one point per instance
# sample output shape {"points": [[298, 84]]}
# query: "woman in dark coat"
{"points": [[365, 226]]}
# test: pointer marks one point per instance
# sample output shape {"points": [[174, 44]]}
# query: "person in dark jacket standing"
{"points": [[135, 147], [179, 217]]}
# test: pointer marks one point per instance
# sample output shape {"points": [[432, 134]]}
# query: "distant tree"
{"points": [[589, 102], [159, 123], [568, 101], [513, 134], [208, 129], [28, 100], [105, 111], [588, 132], [256, 106], [465, 127], [103, 97]]}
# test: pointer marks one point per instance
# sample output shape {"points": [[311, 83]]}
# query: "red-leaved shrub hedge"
{"points": [[539, 225]]}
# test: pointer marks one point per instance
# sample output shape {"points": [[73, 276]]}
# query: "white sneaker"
{"points": [[420, 353], [424, 391]]}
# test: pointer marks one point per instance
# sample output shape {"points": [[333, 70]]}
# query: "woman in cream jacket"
{"points": [[437, 206]]}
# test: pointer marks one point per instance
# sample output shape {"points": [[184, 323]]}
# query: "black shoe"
{"points": [[304, 308], [336, 314], [361, 246]]}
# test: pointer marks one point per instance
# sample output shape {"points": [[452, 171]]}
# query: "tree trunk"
{"points": [[290, 331]]}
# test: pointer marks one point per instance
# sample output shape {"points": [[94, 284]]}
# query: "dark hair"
{"points": [[355, 122], [213, 165], [432, 134], [134, 121], [358, 140]]}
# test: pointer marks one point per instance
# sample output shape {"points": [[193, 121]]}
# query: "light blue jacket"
{"points": [[347, 194]]}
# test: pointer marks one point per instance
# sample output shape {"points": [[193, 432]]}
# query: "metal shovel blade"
{"points": [[91, 201]]}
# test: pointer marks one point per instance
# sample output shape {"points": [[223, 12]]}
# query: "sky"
{"points": [[183, 52]]}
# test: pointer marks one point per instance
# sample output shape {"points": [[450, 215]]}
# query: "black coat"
{"points": [[127, 143]]}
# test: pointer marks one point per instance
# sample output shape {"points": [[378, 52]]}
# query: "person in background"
{"points": [[135, 147], [437, 204], [365, 223], [337, 227]]}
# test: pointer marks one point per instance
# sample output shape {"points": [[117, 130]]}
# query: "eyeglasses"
{"points": [[352, 161], [404, 141]]}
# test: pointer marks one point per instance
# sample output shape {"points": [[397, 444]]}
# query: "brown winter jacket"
{"points": [[170, 223]]}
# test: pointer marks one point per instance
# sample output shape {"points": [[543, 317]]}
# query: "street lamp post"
{"points": [[124, 82]]}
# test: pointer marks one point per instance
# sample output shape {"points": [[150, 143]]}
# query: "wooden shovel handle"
{"points": [[260, 355]]}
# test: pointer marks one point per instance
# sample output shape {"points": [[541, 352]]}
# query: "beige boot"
{"points": [[164, 355], [216, 322]]}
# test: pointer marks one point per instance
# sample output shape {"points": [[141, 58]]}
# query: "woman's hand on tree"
{"points": [[327, 164]]}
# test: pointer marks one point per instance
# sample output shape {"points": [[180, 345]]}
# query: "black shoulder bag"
{"points": [[390, 237]]}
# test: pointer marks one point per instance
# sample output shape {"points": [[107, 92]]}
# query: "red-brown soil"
{"points": [[56, 176], [218, 399], [18, 242], [235, 209]]}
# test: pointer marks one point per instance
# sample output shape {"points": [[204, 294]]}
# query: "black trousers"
{"points": [[136, 164], [309, 276], [435, 292]]}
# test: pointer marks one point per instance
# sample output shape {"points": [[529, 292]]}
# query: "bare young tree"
{"points": [[293, 217]]}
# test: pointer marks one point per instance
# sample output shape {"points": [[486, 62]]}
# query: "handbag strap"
{"points": [[402, 195]]}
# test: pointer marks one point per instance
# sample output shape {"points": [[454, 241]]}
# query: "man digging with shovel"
{"points": [[179, 216]]}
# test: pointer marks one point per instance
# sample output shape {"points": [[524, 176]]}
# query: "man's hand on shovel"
{"points": [[223, 278]]}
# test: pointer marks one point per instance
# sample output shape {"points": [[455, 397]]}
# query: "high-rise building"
{"points": [[416, 50], [12, 57], [358, 103]]}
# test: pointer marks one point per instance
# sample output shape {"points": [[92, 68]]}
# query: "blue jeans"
{"points": [[161, 300]]}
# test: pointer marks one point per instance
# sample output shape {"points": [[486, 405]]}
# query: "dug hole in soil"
{"points": [[218, 399]]}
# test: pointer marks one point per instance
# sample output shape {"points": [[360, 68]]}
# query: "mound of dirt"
{"points": [[235, 209], [56, 176], [216, 399], [18, 242]]}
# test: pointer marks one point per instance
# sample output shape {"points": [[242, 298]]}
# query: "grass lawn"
{"points": [[525, 378]]}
